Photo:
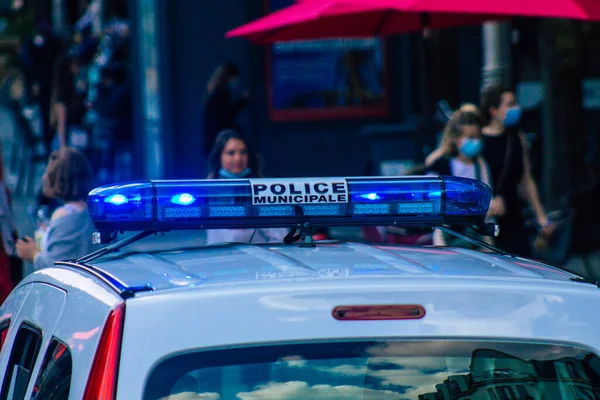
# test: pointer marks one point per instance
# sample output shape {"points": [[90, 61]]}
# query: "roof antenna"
{"points": [[116, 246], [253, 233], [485, 230]]}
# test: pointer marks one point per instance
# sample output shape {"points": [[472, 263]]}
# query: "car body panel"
{"points": [[225, 316], [78, 322], [41, 310], [234, 263], [230, 295]]}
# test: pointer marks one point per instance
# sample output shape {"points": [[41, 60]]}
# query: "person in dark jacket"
{"points": [[506, 151], [223, 103]]}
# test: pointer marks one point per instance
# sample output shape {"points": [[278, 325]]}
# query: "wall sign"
{"points": [[326, 79]]}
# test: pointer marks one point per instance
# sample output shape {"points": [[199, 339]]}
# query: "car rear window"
{"points": [[419, 370]]}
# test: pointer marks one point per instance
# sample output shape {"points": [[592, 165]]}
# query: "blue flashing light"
{"points": [[238, 203], [371, 196], [116, 199], [184, 199]]}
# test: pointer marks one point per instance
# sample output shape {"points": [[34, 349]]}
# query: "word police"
{"points": [[299, 191]]}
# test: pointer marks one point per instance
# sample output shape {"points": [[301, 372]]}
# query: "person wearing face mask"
{"points": [[459, 154], [232, 158], [223, 104], [506, 151]]}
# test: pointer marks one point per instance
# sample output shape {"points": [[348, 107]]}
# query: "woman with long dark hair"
{"points": [[233, 158], [223, 103]]}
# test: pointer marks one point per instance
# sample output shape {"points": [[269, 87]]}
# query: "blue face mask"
{"points": [[513, 116], [471, 147], [223, 173]]}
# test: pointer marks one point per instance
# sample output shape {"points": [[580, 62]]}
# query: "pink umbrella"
{"points": [[315, 19], [571, 9]]}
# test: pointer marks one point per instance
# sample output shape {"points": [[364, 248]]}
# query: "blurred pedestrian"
{"points": [[232, 158], [113, 131], [223, 103], [505, 149], [67, 114], [8, 235], [68, 105], [68, 177], [459, 155], [38, 57]]}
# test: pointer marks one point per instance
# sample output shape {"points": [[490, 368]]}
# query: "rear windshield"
{"points": [[419, 370]]}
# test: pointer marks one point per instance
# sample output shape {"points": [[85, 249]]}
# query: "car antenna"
{"points": [[489, 229], [116, 246]]}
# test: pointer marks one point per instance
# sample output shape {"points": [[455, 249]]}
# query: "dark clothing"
{"points": [[504, 154], [113, 132], [586, 235], [38, 61], [220, 112], [441, 166], [115, 104], [67, 94]]}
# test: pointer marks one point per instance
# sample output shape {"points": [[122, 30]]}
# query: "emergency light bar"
{"points": [[288, 202]]}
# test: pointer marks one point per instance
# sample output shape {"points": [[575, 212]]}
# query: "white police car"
{"points": [[324, 320]]}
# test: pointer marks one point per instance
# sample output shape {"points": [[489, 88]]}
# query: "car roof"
{"points": [[235, 263]]}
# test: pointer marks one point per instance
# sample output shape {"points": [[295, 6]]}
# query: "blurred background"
{"points": [[134, 78]]}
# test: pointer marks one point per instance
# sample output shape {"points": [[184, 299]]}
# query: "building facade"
{"points": [[181, 42]]}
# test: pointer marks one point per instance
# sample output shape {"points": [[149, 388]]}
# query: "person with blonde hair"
{"points": [[459, 154]]}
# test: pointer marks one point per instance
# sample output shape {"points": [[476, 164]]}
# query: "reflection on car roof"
{"points": [[236, 263]]}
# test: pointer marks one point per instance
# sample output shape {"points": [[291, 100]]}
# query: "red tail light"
{"points": [[102, 382]]}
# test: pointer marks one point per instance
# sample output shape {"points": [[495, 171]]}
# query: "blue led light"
{"points": [[116, 199], [465, 196], [239, 203], [371, 196], [184, 199]]}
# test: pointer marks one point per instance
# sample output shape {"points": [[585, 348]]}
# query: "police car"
{"points": [[298, 319]]}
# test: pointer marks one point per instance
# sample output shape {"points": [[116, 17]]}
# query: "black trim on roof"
{"points": [[117, 285]]}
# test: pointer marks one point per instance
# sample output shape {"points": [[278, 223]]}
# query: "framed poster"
{"points": [[326, 79]]}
